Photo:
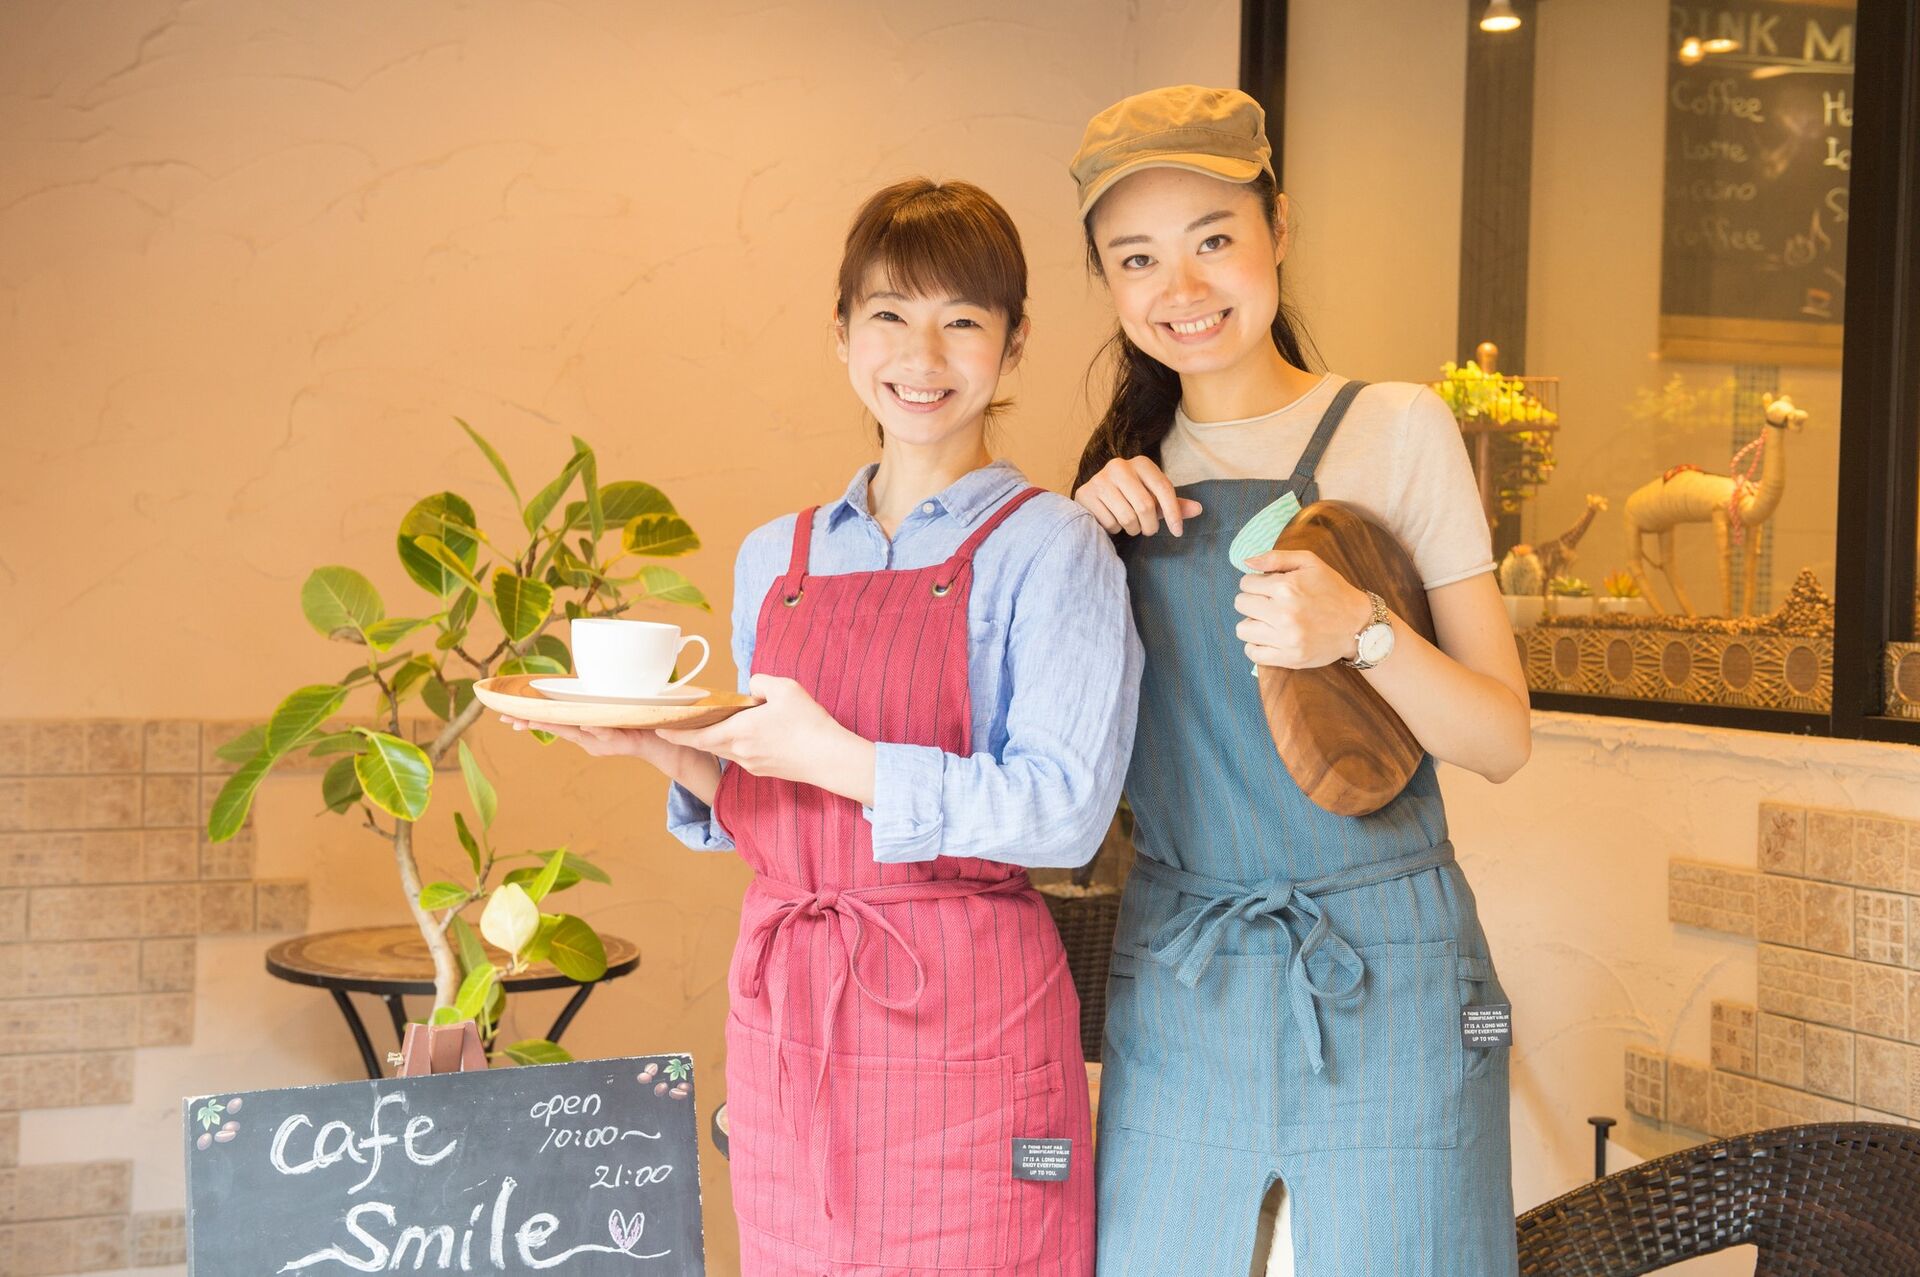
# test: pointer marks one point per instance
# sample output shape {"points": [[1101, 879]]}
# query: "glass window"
{"points": [[1662, 468]]}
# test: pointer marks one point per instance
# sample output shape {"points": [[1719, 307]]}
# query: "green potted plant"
{"points": [[1569, 596], [478, 620]]}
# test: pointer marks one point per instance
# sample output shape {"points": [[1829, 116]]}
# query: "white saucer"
{"points": [[572, 689]]}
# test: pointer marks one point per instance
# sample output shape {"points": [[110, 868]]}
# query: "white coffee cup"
{"points": [[630, 658]]}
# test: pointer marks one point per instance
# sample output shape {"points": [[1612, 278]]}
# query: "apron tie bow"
{"points": [[1187, 942]]}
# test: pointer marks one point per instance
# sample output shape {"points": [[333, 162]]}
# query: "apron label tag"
{"points": [[1042, 1159], [1487, 1026]]}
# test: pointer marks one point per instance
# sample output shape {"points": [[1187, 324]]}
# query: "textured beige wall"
{"points": [[255, 256]]}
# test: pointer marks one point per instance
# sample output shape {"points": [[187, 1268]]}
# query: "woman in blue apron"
{"points": [[1289, 986]]}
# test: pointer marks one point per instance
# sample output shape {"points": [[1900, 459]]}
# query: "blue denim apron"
{"points": [[1287, 984]]}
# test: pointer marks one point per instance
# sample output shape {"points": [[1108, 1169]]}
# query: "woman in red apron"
{"points": [[951, 678]]}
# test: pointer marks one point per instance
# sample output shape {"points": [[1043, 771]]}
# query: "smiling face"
{"points": [[1190, 262], [925, 367]]}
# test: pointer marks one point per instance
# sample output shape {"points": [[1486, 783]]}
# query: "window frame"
{"points": [[1879, 471]]}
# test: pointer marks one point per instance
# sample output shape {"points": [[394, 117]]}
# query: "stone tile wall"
{"points": [[1833, 1033], [106, 883]]}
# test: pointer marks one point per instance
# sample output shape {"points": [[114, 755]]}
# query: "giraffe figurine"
{"points": [[1736, 506], [1557, 555]]}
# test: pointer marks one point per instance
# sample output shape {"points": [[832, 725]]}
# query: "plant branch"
{"points": [[446, 972]]}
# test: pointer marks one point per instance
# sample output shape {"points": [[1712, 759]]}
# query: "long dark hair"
{"points": [[1145, 391]]}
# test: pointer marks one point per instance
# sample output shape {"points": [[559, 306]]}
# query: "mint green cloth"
{"points": [[1262, 530]]}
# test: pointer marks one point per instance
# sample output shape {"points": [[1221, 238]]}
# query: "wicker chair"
{"points": [[1835, 1200]]}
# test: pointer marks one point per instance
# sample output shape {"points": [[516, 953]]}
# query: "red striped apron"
{"points": [[893, 1027]]}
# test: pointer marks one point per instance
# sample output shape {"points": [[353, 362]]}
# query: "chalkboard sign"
{"points": [[1759, 113], [586, 1170]]}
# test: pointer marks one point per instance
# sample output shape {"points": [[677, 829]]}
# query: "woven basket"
{"points": [[1086, 917], [1835, 1200]]}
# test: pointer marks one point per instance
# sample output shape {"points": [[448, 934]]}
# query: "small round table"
{"points": [[391, 962]]}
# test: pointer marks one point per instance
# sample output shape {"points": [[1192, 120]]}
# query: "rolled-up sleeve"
{"points": [[1070, 697], [760, 560]]}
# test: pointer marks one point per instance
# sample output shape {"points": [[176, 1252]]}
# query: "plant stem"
{"points": [[446, 971]]}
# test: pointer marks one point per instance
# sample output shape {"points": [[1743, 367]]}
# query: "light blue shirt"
{"points": [[1053, 667]]}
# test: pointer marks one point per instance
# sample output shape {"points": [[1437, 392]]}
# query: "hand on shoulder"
{"points": [[1133, 495]]}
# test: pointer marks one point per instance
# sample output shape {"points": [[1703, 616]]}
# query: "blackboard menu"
{"points": [[1759, 114], [587, 1169]]}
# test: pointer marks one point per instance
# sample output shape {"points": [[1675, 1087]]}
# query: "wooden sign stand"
{"points": [[441, 1048]]}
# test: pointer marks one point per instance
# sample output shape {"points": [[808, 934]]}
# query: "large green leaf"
{"points": [[243, 746], [396, 775], [443, 554], [340, 601], [554, 649], [409, 677], [576, 950], [467, 946], [447, 517], [522, 605], [468, 843], [659, 536], [620, 501], [544, 880], [586, 868], [529, 874], [590, 484], [334, 743], [300, 714], [461, 611], [536, 1051], [442, 895], [236, 797], [544, 500], [447, 698], [479, 788], [532, 665], [382, 635], [471, 1001], [668, 586], [340, 787], [499, 466]]}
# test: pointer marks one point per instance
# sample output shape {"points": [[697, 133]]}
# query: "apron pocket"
{"points": [[1039, 1112], [1393, 1057], [773, 1185], [918, 1164]]}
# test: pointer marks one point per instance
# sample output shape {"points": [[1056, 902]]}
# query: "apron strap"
{"points": [[802, 547], [1302, 484]]}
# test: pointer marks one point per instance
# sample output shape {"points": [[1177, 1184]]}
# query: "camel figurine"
{"points": [[1735, 504], [1556, 556]]}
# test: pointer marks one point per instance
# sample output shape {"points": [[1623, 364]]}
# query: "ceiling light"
{"points": [[1499, 16]]}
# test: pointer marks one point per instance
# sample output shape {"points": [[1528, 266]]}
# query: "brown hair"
{"points": [[932, 239], [1139, 414]]}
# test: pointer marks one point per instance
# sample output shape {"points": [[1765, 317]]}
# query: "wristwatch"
{"points": [[1374, 643]]}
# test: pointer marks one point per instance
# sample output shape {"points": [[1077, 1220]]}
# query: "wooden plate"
{"points": [[514, 694], [1341, 742]]}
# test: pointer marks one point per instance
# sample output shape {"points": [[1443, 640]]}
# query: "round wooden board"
{"points": [[1340, 741], [513, 694]]}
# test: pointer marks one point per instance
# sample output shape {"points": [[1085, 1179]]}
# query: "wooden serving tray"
{"points": [[1340, 741], [513, 694]]}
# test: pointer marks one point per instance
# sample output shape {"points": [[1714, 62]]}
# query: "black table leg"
{"points": [[567, 1012], [359, 1030], [397, 1012]]}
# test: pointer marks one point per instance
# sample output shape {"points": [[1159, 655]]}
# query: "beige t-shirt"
{"points": [[1397, 457]]}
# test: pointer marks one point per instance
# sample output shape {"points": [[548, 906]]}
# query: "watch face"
{"points": [[1376, 641]]}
